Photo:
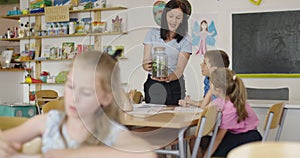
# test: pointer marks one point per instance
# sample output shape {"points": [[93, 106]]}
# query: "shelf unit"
{"points": [[68, 35], [42, 83], [39, 39], [17, 17], [12, 69]]}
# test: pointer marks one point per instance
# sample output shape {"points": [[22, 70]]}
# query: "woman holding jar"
{"points": [[173, 37]]}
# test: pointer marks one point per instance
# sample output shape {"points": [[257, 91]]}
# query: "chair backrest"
{"points": [[42, 95], [136, 96], [209, 121], [275, 118], [7, 122], [210, 114], [45, 94], [56, 104], [268, 94]]}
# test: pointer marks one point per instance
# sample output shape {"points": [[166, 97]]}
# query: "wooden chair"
{"points": [[31, 147], [56, 104], [136, 96], [209, 121], [44, 96], [275, 118], [268, 94]]}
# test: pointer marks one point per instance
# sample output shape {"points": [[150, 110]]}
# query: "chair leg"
{"points": [[267, 128], [38, 109], [278, 134], [198, 138], [181, 142], [213, 138]]}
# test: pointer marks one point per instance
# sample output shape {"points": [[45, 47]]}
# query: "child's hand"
{"points": [[185, 101], [182, 102], [7, 150]]}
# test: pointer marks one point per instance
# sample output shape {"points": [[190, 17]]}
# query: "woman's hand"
{"points": [[172, 77], [147, 66], [160, 79]]}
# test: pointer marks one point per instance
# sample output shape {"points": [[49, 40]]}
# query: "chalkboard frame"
{"points": [[247, 73]]}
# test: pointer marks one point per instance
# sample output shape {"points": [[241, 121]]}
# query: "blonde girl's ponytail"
{"points": [[234, 88]]}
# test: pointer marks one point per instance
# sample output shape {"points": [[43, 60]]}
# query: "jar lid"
{"points": [[159, 48]]}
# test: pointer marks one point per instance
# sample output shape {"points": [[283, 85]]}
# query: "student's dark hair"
{"points": [[183, 27], [234, 88], [217, 58]]}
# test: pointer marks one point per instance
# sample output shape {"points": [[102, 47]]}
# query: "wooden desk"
{"points": [[266, 150], [165, 120], [171, 126]]}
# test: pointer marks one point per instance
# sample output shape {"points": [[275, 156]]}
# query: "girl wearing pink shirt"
{"points": [[239, 121]]}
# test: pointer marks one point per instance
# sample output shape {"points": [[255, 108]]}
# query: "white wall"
{"points": [[139, 16], [140, 19], [10, 89]]}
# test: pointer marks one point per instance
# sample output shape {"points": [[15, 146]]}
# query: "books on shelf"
{"points": [[68, 50]]}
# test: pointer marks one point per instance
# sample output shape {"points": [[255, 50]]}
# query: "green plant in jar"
{"points": [[159, 62]]}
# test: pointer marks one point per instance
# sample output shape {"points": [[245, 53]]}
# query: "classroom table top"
{"points": [[165, 120], [266, 150]]}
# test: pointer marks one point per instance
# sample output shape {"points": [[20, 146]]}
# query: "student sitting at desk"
{"points": [[238, 122], [89, 126], [213, 59]]}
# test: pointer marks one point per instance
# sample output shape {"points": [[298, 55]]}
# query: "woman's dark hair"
{"points": [[183, 27]]}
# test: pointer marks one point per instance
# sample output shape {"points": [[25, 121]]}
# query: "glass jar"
{"points": [[159, 62]]}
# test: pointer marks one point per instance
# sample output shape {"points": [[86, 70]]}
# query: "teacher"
{"points": [[173, 36]]}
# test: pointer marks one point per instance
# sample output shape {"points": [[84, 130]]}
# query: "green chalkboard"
{"points": [[266, 43]]}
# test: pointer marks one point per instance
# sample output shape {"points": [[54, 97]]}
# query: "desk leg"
{"points": [[182, 151]]}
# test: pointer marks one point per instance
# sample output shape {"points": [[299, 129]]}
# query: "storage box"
{"points": [[20, 110], [40, 3]]}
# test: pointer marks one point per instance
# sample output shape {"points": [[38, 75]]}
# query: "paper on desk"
{"points": [[188, 109], [146, 109], [151, 109]]}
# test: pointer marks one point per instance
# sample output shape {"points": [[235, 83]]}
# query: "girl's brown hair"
{"points": [[233, 87]]}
